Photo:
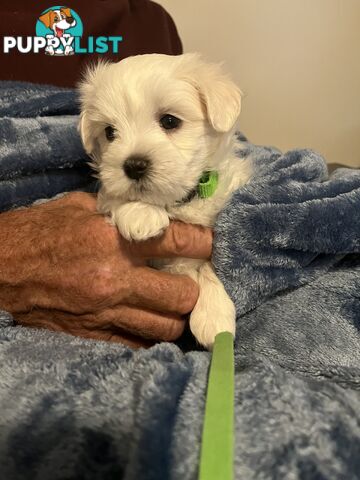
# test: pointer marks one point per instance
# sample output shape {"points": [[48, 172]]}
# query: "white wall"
{"points": [[297, 61]]}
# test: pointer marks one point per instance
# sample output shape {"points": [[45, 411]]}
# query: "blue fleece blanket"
{"points": [[287, 248], [40, 150]]}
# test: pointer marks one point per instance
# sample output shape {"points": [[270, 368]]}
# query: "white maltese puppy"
{"points": [[160, 131]]}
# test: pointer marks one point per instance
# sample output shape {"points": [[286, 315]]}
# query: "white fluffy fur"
{"points": [[131, 96]]}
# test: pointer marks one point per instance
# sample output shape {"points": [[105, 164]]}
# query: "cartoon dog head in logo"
{"points": [[58, 20]]}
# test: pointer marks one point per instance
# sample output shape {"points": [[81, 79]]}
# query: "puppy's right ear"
{"points": [[86, 134], [90, 83]]}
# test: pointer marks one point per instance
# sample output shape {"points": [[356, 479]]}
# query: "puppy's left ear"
{"points": [[220, 95]]}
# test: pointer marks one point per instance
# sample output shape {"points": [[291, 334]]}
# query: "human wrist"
{"points": [[19, 252]]}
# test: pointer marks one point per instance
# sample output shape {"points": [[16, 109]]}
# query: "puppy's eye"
{"points": [[169, 122], [110, 133]]}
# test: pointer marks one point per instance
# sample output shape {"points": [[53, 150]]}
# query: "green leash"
{"points": [[217, 449]]}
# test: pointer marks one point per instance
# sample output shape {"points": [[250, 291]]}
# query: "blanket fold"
{"points": [[288, 225], [29, 146], [23, 191], [41, 153]]}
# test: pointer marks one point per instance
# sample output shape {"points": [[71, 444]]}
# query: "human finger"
{"points": [[179, 240], [144, 322], [162, 291], [79, 326]]}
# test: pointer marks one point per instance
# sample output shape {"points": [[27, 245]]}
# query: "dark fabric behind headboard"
{"points": [[145, 27]]}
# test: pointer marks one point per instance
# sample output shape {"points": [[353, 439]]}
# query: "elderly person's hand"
{"points": [[63, 267]]}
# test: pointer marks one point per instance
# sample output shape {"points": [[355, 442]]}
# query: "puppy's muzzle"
{"points": [[136, 166]]}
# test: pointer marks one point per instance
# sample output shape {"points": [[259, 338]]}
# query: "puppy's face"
{"points": [[154, 123]]}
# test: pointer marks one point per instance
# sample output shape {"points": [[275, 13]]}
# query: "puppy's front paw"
{"points": [[205, 323], [139, 221], [214, 311]]}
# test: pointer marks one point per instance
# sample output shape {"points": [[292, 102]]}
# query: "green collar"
{"points": [[208, 184], [205, 188]]}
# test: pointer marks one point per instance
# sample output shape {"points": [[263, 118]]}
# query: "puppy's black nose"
{"points": [[136, 166]]}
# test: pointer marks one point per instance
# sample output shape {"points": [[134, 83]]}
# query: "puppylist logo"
{"points": [[59, 32]]}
